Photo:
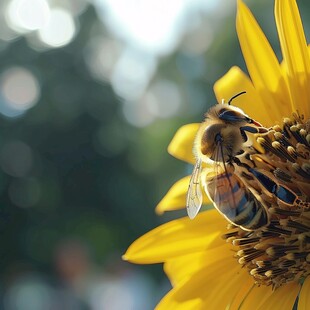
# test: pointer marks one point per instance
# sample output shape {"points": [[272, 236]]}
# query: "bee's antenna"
{"points": [[235, 96]]}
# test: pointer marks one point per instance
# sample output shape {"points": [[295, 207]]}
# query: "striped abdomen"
{"points": [[236, 202]]}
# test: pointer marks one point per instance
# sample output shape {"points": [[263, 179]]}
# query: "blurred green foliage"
{"points": [[85, 191]]}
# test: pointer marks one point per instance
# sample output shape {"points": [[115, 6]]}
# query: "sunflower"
{"points": [[204, 270]]}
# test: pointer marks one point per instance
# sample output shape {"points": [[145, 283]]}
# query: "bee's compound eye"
{"points": [[232, 116], [221, 111]]}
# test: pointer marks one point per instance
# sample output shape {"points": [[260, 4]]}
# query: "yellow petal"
{"points": [[304, 296], [175, 199], [282, 298], [177, 237], [226, 288], [180, 269], [216, 285], [295, 53], [234, 82], [256, 296], [182, 143], [243, 291], [169, 304], [262, 65]]}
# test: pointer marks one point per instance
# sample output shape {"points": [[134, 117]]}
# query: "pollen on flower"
{"points": [[279, 252]]}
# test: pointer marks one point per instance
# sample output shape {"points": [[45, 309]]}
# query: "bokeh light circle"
{"points": [[59, 30], [27, 15], [19, 89]]}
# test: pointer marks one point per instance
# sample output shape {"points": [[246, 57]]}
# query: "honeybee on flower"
{"points": [[220, 138]]}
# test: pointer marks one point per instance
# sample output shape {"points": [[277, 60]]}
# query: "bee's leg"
{"points": [[248, 129], [244, 136], [251, 129]]}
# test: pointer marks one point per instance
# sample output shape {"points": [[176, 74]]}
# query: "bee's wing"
{"points": [[194, 193], [225, 188]]}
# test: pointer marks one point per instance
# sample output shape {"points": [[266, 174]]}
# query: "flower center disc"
{"points": [[280, 251]]}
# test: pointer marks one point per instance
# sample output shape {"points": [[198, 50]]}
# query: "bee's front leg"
{"points": [[251, 129]]}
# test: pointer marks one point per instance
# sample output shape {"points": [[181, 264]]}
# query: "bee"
{"points": [[221, 137]]}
